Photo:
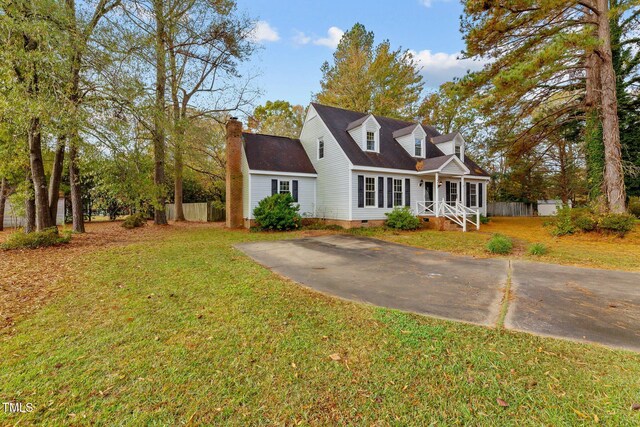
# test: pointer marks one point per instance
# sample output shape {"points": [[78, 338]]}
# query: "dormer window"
{"points": [[371, 141], [418, 147], [459, 152]]}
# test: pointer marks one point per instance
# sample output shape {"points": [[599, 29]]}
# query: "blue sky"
{"points": [[298, 36]]}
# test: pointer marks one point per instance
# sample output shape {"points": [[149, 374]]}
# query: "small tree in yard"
{"points": [[277, 212]]}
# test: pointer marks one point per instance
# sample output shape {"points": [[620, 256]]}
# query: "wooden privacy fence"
{"points": [[510, 209], [201, 212]]}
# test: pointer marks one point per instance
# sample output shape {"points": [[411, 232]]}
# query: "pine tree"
{"points": [[539, 53], [365, 78]]}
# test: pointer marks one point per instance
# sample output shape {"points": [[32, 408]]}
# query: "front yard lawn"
{"points": [[584, 250], [184, 329]]}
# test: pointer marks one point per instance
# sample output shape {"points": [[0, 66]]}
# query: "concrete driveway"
{"points": [[577, 303]]}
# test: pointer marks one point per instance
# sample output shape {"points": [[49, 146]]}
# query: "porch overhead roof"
{"points": [[438, 164]]}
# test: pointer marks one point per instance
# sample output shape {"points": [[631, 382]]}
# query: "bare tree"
{"points": [[205, 43]]}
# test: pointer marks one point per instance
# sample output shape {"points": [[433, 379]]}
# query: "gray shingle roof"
{"points": [[391, 156], [276, 153]]}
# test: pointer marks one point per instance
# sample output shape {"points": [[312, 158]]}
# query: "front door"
{"points": [[428, 191]]}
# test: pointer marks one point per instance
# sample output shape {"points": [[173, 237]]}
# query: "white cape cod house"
{"points": [[351, 168]]}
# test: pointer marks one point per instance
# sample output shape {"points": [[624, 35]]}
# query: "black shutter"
{"points": [[389, 192], [468, 194], [294, 190], [447, 193], [361, 191], [274, 186], [479, 196], [380, 192], [407, 192]]}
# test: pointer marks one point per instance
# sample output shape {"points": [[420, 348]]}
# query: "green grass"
{"points": [[188, 330]]}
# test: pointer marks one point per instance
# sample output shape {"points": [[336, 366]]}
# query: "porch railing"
{"points": [[454, 211]]}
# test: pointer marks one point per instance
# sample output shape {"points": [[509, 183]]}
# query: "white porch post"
{"points": [[437, 198], [463, 192]]}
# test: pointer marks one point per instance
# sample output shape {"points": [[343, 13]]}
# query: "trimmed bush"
{"points": [[484, 219], [634, 206], [499, 244], [401, 218], [583, 219], [277, 212], [537, 249], [619, 224], [37, 239], [134, 221]]}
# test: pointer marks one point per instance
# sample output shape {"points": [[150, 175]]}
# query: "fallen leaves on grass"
{"points": [[335, 357], [502, 402], [30, 278]]}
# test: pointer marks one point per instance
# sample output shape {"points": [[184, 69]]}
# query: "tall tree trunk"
{"points": [[43, 218], [613, 173], [594, 148], [3, 199], [29, 207], [56, 177], [79, 42], [179, 166], [160, 217], [76, 193], [178, 135]]}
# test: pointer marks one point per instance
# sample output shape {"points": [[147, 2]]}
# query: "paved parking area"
{"points": [[577, 303]]}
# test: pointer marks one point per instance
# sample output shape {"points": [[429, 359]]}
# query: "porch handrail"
{"points": [[455, 211], [425, 208]]}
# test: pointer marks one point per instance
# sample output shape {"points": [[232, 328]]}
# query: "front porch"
{"points": [[453, 195], [451, 210]]}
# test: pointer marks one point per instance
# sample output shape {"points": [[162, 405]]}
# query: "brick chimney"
{"points": [[234, 217]]}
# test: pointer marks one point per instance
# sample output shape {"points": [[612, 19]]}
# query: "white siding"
{"points": [[372, 213], [453, 168], [261, 188], [332, 184]]}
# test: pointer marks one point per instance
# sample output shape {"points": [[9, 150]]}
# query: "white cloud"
{"points": [[301, 38], [441, 67], [429, 3], [263, 32], [334, 34]]}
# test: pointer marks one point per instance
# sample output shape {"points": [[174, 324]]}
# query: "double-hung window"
{"points": [[320, 148], [453, 194], [458, 152], [418, 147], [473, 195], [370, 191], [285, 187], [397, 192], [371, 141]]}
